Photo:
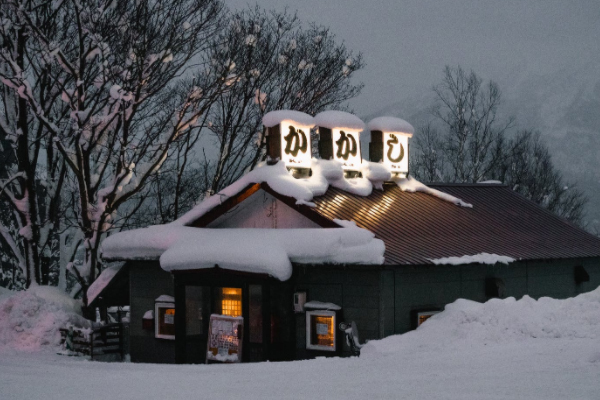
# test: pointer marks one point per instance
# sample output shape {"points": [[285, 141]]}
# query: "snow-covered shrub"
{"points": [[31, 319]]}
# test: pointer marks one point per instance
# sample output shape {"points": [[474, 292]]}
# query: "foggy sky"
{"points": [[544, 55], [407, 43]]}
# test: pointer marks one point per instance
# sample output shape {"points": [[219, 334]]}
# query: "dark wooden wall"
{"points": [[148, 281], [355, 290], [432, 287]]}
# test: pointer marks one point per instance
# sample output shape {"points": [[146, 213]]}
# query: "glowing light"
{"points": [[346, 148], [395, 151], [231, 302], [295, 145]]}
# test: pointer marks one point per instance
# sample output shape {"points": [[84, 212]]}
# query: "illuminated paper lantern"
{"points": [[339, 138], [288, 137], [389, 143]]}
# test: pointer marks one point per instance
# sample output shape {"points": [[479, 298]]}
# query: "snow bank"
{"points": [[31, 319], [103, 279], [481, 258], [340, 120], [391, 125], [266, 251], [466, 323], [410, 184], [274, 118]]}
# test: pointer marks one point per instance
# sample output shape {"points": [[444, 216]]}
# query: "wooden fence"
{"points": [[106, 339]]}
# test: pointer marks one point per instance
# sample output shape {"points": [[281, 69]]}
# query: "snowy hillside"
{"points": [[504, 349]]}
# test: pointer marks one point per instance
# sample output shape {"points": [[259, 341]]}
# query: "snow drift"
{"points": [[31, 319], [466, 323]]}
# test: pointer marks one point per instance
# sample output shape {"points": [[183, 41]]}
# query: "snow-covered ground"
{"points": [[503, 349]]}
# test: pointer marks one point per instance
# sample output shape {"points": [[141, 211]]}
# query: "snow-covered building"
{"points": [[267, 268]]}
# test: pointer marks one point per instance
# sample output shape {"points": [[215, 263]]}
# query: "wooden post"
{"points": [[266, 317], [376, 146], [180, 328], [92, 345], [273, 145], [325, 143]]}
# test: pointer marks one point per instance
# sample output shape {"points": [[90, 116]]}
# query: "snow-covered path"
{"points": [[506, 349], [534, 369]]}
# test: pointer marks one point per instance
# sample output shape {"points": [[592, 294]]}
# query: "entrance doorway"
{"points": [[263, 303], [246, 301]]}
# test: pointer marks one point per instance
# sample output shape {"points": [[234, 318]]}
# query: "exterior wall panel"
{"points": [[147, 282]]}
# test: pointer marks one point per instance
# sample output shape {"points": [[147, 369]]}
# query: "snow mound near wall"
{"points": [[30, 320], [465, 323]]}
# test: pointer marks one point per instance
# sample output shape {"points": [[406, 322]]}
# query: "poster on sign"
{"points": [[225, 337], [346, 144], [295, 145], [395, 151]]}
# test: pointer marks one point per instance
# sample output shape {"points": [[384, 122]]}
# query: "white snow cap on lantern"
{"points": [[274, 118], [339, 119], [391, 125]]}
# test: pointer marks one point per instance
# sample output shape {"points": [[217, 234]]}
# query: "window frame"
{"points": [[157, 333], [320, 313]]}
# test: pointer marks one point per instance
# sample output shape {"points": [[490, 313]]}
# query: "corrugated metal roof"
{"points": [[417, 227]]}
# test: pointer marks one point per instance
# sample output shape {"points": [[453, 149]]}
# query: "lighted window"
{"points": [[231, 302], [320, 330], [424, 316], [164, 320]]}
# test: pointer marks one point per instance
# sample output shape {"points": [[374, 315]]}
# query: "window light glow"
{"points": [[231, 302]]}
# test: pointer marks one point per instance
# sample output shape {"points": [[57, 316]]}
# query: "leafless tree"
{"points": [[278, 65], [526, 165], [468, 113], [466, 143], [32, 173], [129, 82]]}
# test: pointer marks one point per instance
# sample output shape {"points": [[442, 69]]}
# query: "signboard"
{"points": [[320, 330], [395, 151], [346, 148], [295, 145], [225, 337]]}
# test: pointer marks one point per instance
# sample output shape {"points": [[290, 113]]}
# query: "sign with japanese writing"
{"points": [[295, 145], [346, 148], [225, 337], [395, 151]]}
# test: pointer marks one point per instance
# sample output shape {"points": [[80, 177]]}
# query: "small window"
{"points": [[231, 301], [164, 322], [424, 316], [320, 330]]}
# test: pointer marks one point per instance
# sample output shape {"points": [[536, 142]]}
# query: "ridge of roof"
{"points": [[477, 184]]}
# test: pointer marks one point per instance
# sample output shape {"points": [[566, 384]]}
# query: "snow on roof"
{"points": [[391, 125], [102, 281], [165, 298], [339, 119], [319, 305], [324, 173], [410, 184], [481, 258], [266, 251], [274, 118]]}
